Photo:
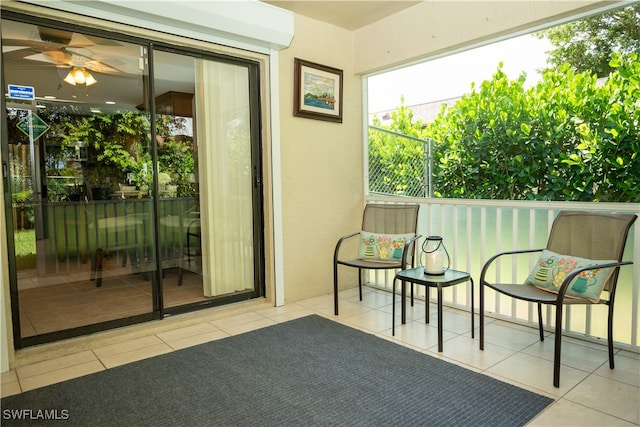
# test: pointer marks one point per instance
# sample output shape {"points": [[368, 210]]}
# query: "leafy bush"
{"points": [[571, 137]]}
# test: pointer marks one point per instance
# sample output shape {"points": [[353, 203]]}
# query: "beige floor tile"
{"points": [[509, 336], [353, 292], [192, 335], [373, 321], [580, 356], [246, 325], [466, 350], [629, 354], [187, 331], [237, 320], [417, 334], [453, 320], [626, 370], [10, 388], [9, 384], [127, 346], [346, 309], [415, 312], [59, 375], [192, 340], [323, 302], [8, 377], [286, 312], [611, 397], [135, 354], [372, 299], [566, 413], [52, 365], [537, 374]]}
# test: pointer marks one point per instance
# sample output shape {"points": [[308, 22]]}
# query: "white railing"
{"points": [[473, 230]]}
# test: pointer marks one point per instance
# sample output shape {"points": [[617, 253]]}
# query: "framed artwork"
{"points": [[317, 91]]}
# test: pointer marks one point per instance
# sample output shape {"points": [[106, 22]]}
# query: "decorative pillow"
{"points": [[382, 247], [552, 268]]}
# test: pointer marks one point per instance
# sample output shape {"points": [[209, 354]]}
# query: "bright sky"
{"points": [[451, 76]]}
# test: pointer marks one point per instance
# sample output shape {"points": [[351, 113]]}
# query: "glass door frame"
{"points": [[158, 310]]}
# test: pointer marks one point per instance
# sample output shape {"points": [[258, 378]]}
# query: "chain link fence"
{"points": [[399, 165]]}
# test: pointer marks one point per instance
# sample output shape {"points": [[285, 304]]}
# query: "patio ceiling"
{"points": [[348, 14]]}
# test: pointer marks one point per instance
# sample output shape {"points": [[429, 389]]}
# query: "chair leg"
{"points": [[481, 316], [411, 294], [610, 334], [540, 322], [360, 282], [335, 288], [558, 346], [426, 303]]}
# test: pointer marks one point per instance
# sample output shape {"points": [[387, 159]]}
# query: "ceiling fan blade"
{"points": [[33, 44], [58, 57], [12, 55]]}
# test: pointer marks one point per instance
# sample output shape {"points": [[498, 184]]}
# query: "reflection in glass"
{"points": [[82, 227]]}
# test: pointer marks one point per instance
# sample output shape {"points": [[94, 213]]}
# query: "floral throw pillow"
{"points": [[382, 247], [552, 268]]}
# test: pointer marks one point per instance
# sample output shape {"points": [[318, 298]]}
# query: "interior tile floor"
{"points": [[591, 394], [50, 303]]}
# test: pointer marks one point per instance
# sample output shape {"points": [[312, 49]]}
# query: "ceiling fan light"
{"points": [[89, 80], [69, 79], [80, 76]]}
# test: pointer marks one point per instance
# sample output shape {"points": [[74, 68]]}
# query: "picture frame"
{"points": [[317, 91]]}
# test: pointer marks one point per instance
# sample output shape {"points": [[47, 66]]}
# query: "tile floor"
{"points": [[590, 394], [56, 302]]}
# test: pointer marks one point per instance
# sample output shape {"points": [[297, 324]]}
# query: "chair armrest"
{"points": [[340, 241], [490, 261], [567, 280], [405, 250]]}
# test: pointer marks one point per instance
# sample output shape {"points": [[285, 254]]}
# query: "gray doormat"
{"points": [[306, 372]]}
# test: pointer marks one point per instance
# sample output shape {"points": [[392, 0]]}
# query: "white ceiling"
{"points": [[348, 14]]}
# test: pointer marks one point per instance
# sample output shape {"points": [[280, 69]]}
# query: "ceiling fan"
{"points": [[64, 49]]}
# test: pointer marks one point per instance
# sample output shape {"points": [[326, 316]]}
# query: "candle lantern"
{"points": [[434, 256]]}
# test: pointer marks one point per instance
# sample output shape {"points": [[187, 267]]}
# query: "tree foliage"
{"points": [[589, 44], [571, 137], [396, 164]]}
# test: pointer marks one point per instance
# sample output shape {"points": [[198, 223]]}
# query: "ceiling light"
{"points": [[80, 76]]}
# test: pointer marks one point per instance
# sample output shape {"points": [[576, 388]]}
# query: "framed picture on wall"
{"points": [[317, 91]]}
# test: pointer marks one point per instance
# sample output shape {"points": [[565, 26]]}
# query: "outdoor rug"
{"points": [[306, 372]]}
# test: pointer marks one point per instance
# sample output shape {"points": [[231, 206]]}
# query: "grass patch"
{"points": [[25, 243]]}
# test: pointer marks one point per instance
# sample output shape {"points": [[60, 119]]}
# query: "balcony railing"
{"points": [[473, 230]]}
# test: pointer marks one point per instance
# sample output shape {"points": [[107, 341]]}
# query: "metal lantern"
{"points": [[434, 256]]}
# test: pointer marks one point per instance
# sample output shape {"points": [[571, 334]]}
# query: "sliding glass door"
{"points": [[134, 177], [230, 177], [207, 134]]}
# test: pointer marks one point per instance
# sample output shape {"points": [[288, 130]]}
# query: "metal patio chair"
{"points": [[566, 268], [396, 225]]}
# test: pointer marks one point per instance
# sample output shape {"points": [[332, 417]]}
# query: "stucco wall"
{"points": [[321, 164]]}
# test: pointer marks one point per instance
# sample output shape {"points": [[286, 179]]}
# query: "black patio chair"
{"points": [[582, 258], [386, 242]]}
